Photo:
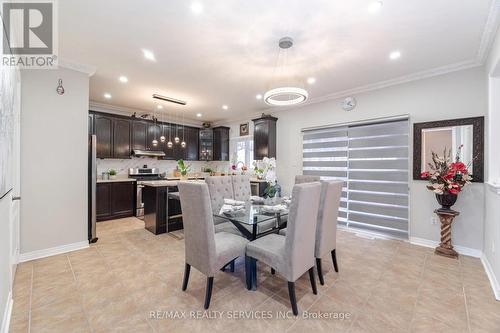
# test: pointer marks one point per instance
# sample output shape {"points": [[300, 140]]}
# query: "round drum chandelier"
{"points": [[287, 94]]}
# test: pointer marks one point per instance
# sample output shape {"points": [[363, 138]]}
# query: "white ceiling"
{"points": [[227, 53]]}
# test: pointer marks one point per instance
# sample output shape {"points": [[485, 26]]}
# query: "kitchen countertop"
{"points": [[164, 183], [115, 180]]}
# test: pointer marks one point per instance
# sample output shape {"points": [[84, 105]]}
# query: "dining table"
{"points": [[248, 215]]}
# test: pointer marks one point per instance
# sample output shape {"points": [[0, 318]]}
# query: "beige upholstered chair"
{"points": [[326, 229], [241, 187], [205, 250], [235, 187], [300, 179], [292, 255]]}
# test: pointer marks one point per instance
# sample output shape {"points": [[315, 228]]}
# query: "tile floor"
{"points": [[116, 285]]}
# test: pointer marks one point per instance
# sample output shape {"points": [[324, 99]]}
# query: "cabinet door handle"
{"points": [[16, 198]]}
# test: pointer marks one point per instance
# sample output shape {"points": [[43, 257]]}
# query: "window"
{"points": [[372, 159], [242, 150]]}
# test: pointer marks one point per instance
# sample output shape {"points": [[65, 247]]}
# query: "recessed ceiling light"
{"points": [[395, 55], [123, 79], [197, 7], [159, 106], [198, 115], [311, 80], [225, 107], [148, 55], [258, 96], [107, 95], [375, 6]]}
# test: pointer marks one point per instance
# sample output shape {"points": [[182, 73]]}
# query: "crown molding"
{"points": [[489, 32], [86, 69], [127, 111]]}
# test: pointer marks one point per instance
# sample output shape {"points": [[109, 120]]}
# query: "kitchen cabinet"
{"points": [[192, 143], [221, 143], [179, 152], [121, 138], [206, 143], [115, 200], [103, 130], [113, 136], [264, 137], [139, 134]]}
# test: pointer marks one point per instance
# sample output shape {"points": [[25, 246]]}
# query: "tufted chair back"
{"points": [[241, 187], [301, 179], [219, 187]]}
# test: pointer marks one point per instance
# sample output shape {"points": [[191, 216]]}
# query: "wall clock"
{"points": [[349, 103]]}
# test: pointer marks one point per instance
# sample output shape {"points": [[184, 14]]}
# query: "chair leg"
{"points": [[273, 271], [248, 272], [293, 298], [313, 280], [208, 293], [334, 259], [320, 271], [187, 269], [232, 266]]}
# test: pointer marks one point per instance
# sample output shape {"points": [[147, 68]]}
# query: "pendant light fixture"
{"points": [[286, 93], [162, 137], [176, 139], [169, 143], [154, 142], [183, 143]]}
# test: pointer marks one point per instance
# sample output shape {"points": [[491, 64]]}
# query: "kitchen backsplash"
{"points": [[122, 166]]}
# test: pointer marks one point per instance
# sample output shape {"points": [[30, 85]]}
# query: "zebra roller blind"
{"points": [[372, 159]]}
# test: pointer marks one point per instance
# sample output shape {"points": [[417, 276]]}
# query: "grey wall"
{"points": [[53, 159]]}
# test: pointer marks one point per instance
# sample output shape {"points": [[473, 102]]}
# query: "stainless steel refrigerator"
{"points": [[92, 179]]}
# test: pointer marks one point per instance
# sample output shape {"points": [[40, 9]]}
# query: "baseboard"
{"points": [[491, 276], [467, 251], [52, 251], [7, 314]]}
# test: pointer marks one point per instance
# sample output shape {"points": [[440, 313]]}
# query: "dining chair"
{"points": [[220, 187], [326, 228], [300, 179], [241, 187], [292, 255], [205, 250]]}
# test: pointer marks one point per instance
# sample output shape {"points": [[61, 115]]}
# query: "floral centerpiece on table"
{"points": [[266, 169], [447, 178]]}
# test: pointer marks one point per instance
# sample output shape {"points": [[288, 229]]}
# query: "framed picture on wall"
{"points": [[244, 130]]}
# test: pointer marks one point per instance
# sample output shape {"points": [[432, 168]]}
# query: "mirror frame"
{"points": [[477, 144]]}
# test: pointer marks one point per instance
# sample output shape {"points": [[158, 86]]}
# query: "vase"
{"points": [[184, 177], [446, 200]]}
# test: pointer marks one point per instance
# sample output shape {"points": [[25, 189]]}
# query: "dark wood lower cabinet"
{"points": [[115, 200]]}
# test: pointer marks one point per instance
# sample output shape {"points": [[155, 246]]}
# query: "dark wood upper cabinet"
{"points": [[103, 126], [264, 137], [221, 143], [153, 133], [139, 134], [192, 143], [121, 138]]}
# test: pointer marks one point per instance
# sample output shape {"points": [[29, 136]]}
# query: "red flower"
{"points": [[451, 174], [459, 167], [425, 175], [454, 191]]}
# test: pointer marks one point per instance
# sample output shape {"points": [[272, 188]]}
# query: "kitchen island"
{"points": [[162, 206]]}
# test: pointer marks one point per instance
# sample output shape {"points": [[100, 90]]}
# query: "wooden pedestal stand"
{"points": [[445, 248]]}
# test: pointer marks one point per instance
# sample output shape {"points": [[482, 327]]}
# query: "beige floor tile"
{"points": [[64, 309]]}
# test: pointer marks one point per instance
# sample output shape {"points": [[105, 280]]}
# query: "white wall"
{"points": [[53, 159], [492, 193], [455, 95]]}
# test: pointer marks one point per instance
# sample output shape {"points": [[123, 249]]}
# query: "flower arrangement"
{"points": [[267, 170], [446, 176]]}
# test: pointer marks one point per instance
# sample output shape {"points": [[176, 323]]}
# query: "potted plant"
{"points": [[112, 173], [447, 178], [267, 170], [184, 169]]}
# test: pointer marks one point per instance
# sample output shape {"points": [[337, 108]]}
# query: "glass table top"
{"points": [[254, 213]]}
